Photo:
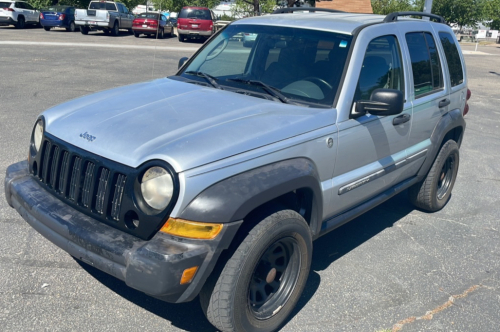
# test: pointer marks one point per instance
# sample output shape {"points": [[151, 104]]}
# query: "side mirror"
{"points": [[382, 102], [182, 61]]}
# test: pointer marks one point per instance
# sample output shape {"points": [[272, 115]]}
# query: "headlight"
{"points": [[157, 187], [38, 135]]}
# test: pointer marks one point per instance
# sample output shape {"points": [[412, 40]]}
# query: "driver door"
{"points": [[371, 151]]}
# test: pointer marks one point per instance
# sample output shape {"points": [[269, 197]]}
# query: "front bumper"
{"points": [[191, 33], [154, 267]]}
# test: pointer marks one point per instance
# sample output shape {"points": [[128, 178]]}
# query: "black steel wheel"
{"points": [[433, 192], [116, 30], [260, 283]]}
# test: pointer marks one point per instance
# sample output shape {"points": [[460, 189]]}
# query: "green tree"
{"points": [[461, 12], [176, 5], [384, 7], [491, 12]]}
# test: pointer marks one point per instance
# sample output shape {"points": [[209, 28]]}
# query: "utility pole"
{"points": [[427, 8]]}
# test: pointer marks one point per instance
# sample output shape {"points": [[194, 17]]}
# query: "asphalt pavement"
{"points": [[393, 269]]}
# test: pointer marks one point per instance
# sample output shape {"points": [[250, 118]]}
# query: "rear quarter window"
{"points": [[453, 58], [5, 4]]}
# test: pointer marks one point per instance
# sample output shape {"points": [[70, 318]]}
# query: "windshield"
{"points": [[202, 14], [303, 65]]}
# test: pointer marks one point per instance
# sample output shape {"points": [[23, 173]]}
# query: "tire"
{"points": [[181, 37], [84, 30], [21, 23], [116, 30], [136, 34], [106, 31], [130, 31], [161, 34], [46, 28], [263, 279], [432, 193], [71, 27]]}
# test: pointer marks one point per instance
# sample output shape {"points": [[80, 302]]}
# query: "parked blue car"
{"points": [[58, 16]]}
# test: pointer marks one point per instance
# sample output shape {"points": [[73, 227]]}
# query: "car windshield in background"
{"points": [[148, 15], [102, 5], [55, 9], [201, 14], [303, 65], [5, 4]]}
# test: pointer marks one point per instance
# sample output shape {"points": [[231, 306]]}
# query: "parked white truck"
{"points": [[108, 16]]}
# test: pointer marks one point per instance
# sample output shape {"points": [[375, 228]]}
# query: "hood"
{"points": [[186, 125]]}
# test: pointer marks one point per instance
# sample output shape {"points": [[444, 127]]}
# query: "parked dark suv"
{"points": [[195, 22]]}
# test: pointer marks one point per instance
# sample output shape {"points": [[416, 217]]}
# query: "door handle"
{"points": [[444, 102], [403, 118]]}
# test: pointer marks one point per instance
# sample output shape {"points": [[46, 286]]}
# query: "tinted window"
{"points": [[5, 4], [427, 73], [453, 58], [102, 5], [28, 6], [20, 5], [60, 9], [381, 68], [202, 14]]}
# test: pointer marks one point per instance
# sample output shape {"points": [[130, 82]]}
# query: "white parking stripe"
{"points": [[141, 47]]}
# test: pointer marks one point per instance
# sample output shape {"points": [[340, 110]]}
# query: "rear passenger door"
{"points": [[429, 90]]}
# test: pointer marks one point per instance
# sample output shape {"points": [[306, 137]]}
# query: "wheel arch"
{"points": [[293, 184], [450, 126]]}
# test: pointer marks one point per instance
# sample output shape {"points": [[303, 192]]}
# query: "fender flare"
{"points": [[235, 197], [448, 122]]}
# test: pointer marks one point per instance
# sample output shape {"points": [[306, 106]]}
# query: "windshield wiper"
{"points": [[275, 92], [209, 78]]}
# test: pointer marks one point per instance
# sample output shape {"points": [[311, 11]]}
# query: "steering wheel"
{"points": [[322, 83]]}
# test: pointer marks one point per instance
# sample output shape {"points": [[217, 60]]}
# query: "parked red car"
{"points": [[152, 24], [195, 22]]}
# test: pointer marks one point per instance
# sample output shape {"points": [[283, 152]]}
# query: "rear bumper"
{"points": [[53, 23], [93, 24], [194, 32], [145, 30], [154, 267], [7, 21]]}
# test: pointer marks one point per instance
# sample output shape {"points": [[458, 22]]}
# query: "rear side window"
{"points": [[453, 58], [5, 4], [201, 14], [28, 6], [427, 73], [20, 5]]}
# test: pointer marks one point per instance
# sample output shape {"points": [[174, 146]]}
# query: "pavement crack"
{"points": [[430, 314]]}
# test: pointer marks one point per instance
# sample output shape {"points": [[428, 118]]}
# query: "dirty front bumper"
{"points": [[154, 267]]}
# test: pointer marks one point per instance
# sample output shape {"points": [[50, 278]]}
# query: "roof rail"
{"points": [[392, 17], [305, 9]]}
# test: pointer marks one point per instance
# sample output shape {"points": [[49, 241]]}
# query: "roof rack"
{"points": [[392, 17], [305, 9]]}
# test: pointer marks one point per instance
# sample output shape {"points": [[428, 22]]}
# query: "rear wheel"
{"points": [[161, 34], [432, 193], [130, 31], [84, 30], [137, 34], [20, 23], [116, 29], [71, 27], [46, 28], [181, 37], [263, 279]]}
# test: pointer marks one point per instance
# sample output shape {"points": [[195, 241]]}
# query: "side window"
{"points": [[426, 67], [28, 6], [453, 58], [20, 5], [382, 68]]}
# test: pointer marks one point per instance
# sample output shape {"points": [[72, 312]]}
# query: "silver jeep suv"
{"points": [[215, 181]]}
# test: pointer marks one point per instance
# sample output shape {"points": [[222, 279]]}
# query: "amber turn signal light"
{"points": [[191, 229], [188, 275]]}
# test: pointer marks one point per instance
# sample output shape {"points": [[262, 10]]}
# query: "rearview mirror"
{"points": [[182, 61], [382, 102]]}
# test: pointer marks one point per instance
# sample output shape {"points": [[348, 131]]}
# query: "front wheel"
{"points": [[263, 279], [161, 34], [432, 193]]}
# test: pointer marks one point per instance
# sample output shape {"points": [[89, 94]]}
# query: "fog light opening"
{"points": [[131, 220]]}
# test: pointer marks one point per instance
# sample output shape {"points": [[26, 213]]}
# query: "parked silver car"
{"points": [[215, 181]]}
